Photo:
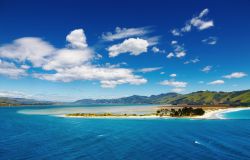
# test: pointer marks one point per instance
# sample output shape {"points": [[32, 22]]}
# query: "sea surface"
{"points": [[35, 133]]}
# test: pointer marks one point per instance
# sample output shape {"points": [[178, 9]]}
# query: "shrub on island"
{"points": [[181, 112]]}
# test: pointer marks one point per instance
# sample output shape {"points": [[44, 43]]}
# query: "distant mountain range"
{"points": [[7, 101], [135, 99], [235, 98]]}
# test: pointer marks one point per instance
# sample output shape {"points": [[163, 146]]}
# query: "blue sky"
{"points": [[70, 50]]}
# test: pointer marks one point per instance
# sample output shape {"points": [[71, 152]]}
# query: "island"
{"points": [[161, 112]]}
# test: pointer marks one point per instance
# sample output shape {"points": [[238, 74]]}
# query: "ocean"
{"points": [[35, 133]]}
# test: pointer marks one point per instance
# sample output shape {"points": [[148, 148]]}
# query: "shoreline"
{"points": [[218, 114], [209, 114]]}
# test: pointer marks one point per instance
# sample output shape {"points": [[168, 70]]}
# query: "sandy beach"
{"points": [[209, 114], [218, 114]]}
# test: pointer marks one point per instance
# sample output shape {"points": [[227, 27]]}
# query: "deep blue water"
{"points": [[25, 136]]}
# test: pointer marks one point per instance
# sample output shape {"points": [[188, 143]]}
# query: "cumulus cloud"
{"points": [[198, 22], [121, 33], [206, 69], [71, 63], [216, 82], [31, 49], [9, 69], [77, 39], [134, 46], [67, 58], [172, 83], [235, 75], [173, 75], [210, 40], [146, 70], [109, 77]]}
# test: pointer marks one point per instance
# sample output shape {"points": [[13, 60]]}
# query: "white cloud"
{"points": [[170, 55], [206, 69], [175, 84], [146, 70], [210, 40], [216, 82], [196, 22], [235, 75], [153, 40], [9, 69], [173, 75], [177, 90], [179, 50], [180, 54], [117, 65], [174, 42], [157, 50], [106, 76], [77, 39], [186, 28], [196, 60], [176, 32], [13, 94], [134, 46], [38, 96], [67, 64], [121, 33], [162, 73], [31, 49], [67, 58], [203, 13], [24, 66], [200, 24]]}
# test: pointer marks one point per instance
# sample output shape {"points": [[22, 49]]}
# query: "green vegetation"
{"points": [[135, 99], [181, 112], [103, 115], [237, 98]]}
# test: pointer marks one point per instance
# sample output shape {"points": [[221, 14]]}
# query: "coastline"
{"points": [[218, 114], [209, 114]]}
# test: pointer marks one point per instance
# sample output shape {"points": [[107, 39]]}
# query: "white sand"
{"points": [[209, 114], [115, 117], [218, 114]]}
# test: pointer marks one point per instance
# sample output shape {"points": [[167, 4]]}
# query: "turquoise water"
{"points": [[27, 135], [243, 114]]}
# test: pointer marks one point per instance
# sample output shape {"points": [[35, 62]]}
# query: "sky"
{"points": [[70, 50]]}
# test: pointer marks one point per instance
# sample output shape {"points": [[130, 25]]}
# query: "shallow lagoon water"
{"points": [[39, 136], [129, 109]]}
